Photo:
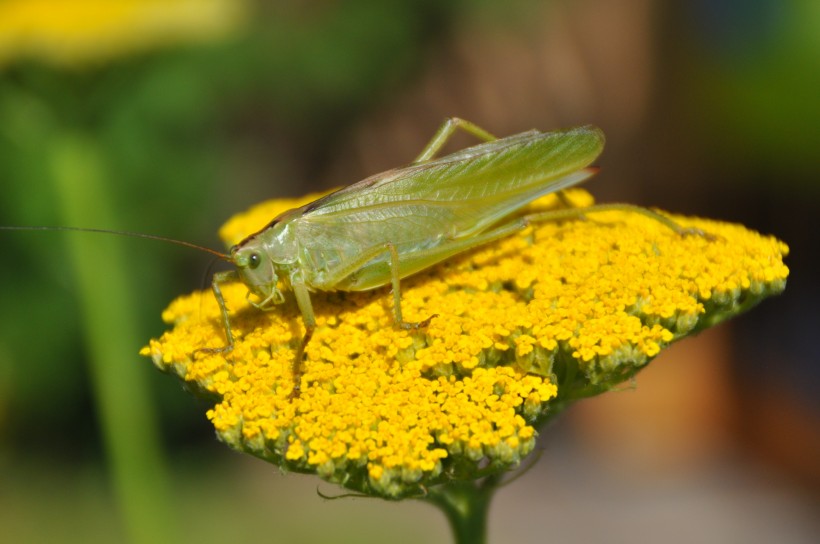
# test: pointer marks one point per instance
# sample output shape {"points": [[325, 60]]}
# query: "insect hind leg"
{"points": [[446, 131], [576, 213]]}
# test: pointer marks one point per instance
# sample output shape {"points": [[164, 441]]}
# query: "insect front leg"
{"points": [[445, 132], [219, 278]]}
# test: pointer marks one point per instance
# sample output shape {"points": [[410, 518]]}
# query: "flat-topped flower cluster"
{"points": [[559, 311]]}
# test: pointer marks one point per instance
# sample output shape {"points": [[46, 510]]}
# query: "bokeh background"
{"points": [[166, 117]]}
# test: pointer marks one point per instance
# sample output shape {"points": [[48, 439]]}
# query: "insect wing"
{"points": [[421, 206], [487, 181], [470, 189]]}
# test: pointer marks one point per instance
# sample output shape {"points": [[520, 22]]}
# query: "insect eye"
{"points": [[253, 260]]}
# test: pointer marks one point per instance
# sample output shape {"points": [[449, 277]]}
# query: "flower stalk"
{"points": [[466, 506]]}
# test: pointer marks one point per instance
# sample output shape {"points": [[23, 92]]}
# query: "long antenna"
{"points": [[223, 256]]}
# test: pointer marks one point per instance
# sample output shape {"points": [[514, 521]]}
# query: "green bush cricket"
{"points": [[399, 222]]}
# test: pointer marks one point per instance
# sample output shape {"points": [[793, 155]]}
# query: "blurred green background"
{"points": [[166, 117]]}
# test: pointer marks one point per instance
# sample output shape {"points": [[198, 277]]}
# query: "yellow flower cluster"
{"points": [[78, 32], [581, 303]]}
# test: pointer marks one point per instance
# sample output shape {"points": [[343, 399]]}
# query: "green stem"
{"points": [[105, 290], [466, 505]]}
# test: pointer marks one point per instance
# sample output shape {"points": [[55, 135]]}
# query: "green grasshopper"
{"points": [[399, 222]]}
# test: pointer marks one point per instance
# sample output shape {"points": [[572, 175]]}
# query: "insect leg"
{"points": [[568, 213], [395, 279], [302, 295], [222, 277], [563, 199], [445, 132], [337, 275]]}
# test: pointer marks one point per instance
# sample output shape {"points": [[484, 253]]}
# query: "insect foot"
{"points": [[212, 351], [407, 325], [694, 231]]}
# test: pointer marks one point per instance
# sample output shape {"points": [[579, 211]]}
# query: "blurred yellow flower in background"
{"points": [[75, 33]]}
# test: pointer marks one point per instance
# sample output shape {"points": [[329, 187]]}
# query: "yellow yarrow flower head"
{"points": [[560, 311], [87, 32]]}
